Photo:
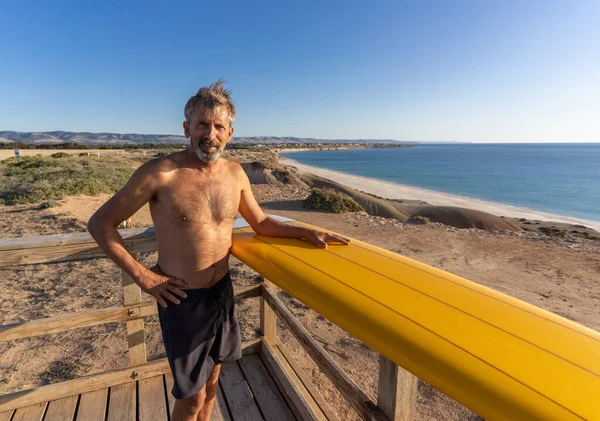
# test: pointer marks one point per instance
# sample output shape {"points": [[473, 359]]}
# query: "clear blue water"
{"points": [[562, 179]]}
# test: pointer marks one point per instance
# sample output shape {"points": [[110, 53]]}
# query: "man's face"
{"points": [[209, 131]]}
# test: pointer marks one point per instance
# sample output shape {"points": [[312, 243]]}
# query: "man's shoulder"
{"points": [[171, 161], [236, 170], [233, 166], [162, 165]]}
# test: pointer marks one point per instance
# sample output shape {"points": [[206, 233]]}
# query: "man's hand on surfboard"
{"points": [[321, 239]]}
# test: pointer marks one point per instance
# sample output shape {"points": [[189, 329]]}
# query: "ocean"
{"points": [[562, 179]]}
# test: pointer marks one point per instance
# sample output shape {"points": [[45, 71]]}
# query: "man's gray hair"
{"points": [[211, 97]]}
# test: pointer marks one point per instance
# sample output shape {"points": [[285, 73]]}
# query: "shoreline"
{"points": [[340, 147], [397, 191], [291, 150]]}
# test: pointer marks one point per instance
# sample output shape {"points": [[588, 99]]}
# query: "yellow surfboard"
{"points": [[499, 356]]}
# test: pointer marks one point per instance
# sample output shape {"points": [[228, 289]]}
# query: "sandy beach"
{"points": [[395, 191]]}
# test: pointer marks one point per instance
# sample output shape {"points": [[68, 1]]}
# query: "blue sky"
{"points": [[477, 71]]}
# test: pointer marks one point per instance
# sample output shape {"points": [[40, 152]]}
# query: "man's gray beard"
{"points": [[208, 157]]}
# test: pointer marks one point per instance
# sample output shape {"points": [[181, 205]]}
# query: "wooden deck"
{"points": [[247, 392]]}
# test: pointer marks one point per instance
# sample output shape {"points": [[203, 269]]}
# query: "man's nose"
{"points": [[212, 132]]}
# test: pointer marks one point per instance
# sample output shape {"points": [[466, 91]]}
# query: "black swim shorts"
{"points": [[198, 333]]}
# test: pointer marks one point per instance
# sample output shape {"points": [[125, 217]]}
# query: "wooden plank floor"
{"points": [[246, 392]]}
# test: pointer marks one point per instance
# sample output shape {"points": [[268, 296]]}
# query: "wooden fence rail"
{"points": [[67, 322], [397, 389]]}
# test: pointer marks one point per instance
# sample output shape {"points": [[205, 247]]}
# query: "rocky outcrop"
{"points": [[260, 173]]}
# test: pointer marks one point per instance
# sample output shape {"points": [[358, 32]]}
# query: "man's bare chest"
{"points": [[191, 201]]}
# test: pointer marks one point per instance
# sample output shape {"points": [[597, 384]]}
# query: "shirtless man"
{"points": [[194, 198]]}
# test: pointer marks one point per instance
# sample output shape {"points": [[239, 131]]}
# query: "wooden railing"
{"points": [[396, 388]]}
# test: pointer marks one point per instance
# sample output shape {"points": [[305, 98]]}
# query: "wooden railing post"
{"points": [[135, 328], [268, 319], [397, 393], [359, 401]]}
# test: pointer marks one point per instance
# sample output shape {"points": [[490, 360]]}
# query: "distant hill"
{"points": [[133, 138], [87, 138]]}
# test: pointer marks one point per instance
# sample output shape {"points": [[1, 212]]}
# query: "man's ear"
{"points": [[186, 129], [230, 134]]}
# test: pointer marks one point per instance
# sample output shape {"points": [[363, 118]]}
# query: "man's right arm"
{"points": [[138, 191], [103, 224]]}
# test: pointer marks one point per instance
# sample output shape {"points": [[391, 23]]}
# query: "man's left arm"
{"points": [[270, 227]]}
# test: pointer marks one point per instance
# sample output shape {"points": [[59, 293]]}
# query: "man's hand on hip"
{"points": [[161, 287]]}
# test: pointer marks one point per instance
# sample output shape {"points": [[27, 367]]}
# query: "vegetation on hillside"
{"points": [[418, 219], [331, 200], [60, 155], [35, 179], [74, 145]]}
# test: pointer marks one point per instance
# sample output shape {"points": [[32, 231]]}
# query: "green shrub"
{"points": [[49, 204], [589, 236], [373, 195], [60, 155], [37, 179], [553, 232], [331, 200], [418, 219]]}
